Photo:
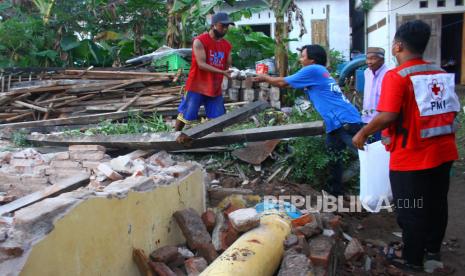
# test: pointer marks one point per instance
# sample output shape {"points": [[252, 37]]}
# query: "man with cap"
{"points": [[374, 75], [211, 60]]}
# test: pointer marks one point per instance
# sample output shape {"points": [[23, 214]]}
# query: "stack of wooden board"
{"points": [[71, 93]]}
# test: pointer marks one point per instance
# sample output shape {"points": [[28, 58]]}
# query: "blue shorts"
{"points": [[190, 104]]}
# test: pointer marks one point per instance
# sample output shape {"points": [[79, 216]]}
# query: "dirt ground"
{"points": [[381, 226]]}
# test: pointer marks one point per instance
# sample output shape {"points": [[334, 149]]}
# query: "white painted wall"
{"points": [[391, 9], [339, 21]]}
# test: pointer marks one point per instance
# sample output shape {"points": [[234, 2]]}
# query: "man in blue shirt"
{"points": [[342, 120]]}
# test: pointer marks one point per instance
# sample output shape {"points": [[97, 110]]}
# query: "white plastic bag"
{"points": [[375, 187]]}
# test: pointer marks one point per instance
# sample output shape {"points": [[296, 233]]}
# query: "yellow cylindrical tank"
{"points": [[257, 252]]}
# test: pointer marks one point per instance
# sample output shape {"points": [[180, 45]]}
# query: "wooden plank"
{"points": [[11, 119], [75, 100], [167, 141], [77, 120], [31, 106], [230, 118], [63, 186], [118, 73]]}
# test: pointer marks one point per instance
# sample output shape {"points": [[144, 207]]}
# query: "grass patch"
{"points": [[135, 124]]}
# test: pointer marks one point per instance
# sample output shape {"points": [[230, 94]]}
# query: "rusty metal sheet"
{"points": [[256, 152]]}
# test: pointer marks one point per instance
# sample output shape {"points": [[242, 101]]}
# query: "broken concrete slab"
{"points": [[139, 220], [67, 185], [295, 264], [244, 219]]}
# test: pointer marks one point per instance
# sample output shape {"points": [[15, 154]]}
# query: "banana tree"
{"points": [[186, 17], [45, 8], [281, 9]]}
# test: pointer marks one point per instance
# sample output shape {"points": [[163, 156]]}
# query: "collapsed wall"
{"points": [[92, 231]]}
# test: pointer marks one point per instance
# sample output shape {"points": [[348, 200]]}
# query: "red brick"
{"points": [[290, 241], [192, 227], [321, 251], [224, 233], [194, 266], [178, 262], [354, 250], [207, 251], [179, 271], [161, 269], [209, 219], [301, 221], [165, 254]]}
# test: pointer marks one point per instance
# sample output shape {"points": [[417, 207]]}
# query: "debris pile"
{"points": [[80, 92]]}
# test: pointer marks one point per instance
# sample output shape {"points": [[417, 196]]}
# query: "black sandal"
{"points": [[396, 260]]}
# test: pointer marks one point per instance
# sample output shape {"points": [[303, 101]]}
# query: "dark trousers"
{"points": [[337, 141], [420, 198]]}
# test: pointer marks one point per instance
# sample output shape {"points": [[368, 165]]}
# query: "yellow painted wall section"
{"points": [[97, 236]]}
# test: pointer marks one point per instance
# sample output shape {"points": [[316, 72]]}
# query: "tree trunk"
{"points": [[281, 48], [172, 31]]}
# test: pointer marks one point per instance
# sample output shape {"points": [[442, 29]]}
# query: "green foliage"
{"points": [[367, 5], [335, 58], [135, 124], [25, 41], [79, 33], [19, 139], [310, 160], [249, 46]]}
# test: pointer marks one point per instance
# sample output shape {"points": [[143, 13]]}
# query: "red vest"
{"points": [[217, 53], [436, 101]]}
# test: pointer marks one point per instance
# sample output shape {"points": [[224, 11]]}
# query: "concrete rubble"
{"points": [[26, 171]]}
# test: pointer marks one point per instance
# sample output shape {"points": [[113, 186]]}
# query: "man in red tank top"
{"points": [[211, 60], [422, 143]]}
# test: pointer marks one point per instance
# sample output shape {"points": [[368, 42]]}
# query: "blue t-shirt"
{"points": [[326, 96]]}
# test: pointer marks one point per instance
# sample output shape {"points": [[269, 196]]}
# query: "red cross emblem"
{"points": [[437, 89]]}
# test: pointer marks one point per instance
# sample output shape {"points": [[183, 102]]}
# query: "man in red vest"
{"points": [[417, 110], [211, 60]]}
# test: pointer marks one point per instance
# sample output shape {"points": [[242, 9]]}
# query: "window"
{"points": [[258, 15], [324, 10], [441, 3], [459, 2], [423, 4], [312, 10]]}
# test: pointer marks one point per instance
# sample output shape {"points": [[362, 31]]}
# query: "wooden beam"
{"points": [[230, 118], [167, 141], [66, 185], [128, 74], [77, 120], [31, 106]]}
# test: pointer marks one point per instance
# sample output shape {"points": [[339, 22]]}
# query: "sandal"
{"points": [[392, 254], [438, 268]]}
